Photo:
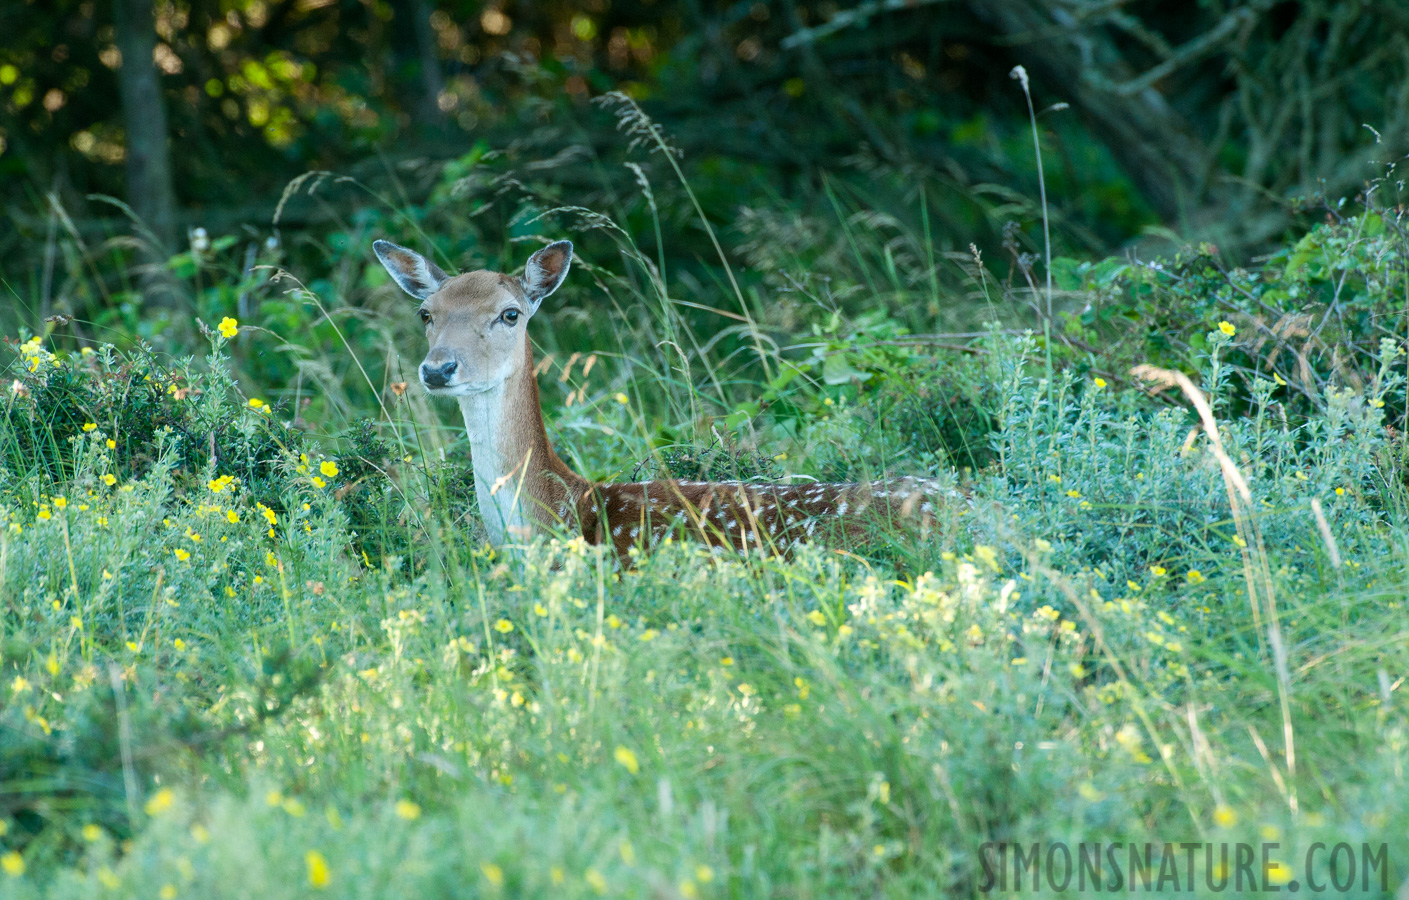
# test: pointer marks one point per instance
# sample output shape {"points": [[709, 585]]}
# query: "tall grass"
{"points": [[314, 677]]}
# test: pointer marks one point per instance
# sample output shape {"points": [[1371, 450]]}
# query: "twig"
{"points": [[848, 17]]}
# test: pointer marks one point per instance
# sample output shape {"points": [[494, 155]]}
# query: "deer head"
{"points": [[476, 323]]}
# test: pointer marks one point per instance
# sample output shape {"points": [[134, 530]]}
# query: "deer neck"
{"points": [[521, 485]]}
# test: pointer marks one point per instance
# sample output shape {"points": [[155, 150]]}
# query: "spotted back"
{"points": [[764, 518]]}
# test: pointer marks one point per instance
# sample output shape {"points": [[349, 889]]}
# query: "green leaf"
{"points": [[837, 369]]}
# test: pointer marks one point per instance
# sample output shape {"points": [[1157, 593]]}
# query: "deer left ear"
{"points": [[545, 270]]}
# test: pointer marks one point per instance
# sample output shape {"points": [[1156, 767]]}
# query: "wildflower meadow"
{"points": [[256, 645], [1149, 332]]}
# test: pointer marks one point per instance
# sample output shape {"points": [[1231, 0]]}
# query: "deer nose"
{"points": [[438, 376]]}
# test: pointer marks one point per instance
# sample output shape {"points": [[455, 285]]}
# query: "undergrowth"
{"points": [[254, 643]]}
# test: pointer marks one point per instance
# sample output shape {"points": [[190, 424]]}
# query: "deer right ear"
{"points": [[417, 275]]}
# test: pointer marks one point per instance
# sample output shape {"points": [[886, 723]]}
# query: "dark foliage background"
{"points": [[1208, 118]]}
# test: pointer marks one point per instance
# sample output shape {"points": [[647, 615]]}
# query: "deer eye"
{"points": [[510, 317], [425, 317]]}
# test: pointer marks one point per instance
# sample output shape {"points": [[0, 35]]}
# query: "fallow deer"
{"points": [[476, 325]]}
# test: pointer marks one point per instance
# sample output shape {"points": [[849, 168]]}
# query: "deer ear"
{"points": [[545, 270], [417, 275]]}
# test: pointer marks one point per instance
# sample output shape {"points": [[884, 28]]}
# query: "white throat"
{"points": [[498, 479]]}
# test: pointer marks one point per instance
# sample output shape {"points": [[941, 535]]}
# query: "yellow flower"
{"points": [[181, 554], [112, 444], [60, 503], [539, 609], [622, 399], [160, 802], [318, 482], [90, 426], [91, 832], [704, 874], [613, 621], [110, 479], [1278, 873], [1195, 576], [232, 516], [595, 879], [256, 403], [268, 514], [407, 810], [503, 626], [167, 892], [1157, 571], [816, 618], [1228, 328], [492, 874], [318, 873], [328, 468], [1100, 383], [627, 759], [229, 327], [1340, 492], [1224, 816], [13, 864]]}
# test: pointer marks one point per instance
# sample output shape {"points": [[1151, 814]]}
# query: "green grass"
{"points": [[337, 689]]}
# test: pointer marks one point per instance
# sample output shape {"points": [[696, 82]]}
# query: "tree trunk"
{"points": [[417, 67], [1150, 141], [150, 188]]}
